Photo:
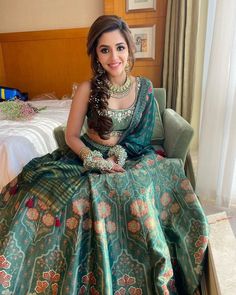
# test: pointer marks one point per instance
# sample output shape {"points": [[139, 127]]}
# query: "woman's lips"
{"points": [[114, 65]]}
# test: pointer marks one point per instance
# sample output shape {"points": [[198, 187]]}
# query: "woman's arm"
{"points": [[79, 108], [76, 117]]}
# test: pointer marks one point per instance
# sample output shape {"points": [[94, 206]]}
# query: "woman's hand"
{"points": [[94, 160], [115, 167]]}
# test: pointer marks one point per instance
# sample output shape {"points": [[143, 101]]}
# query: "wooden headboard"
{"points": [[44, 61]]}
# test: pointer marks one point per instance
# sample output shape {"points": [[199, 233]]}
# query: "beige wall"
{"points": [[33, 15]]}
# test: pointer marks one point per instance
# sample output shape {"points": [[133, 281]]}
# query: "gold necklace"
{"points": [[117, 91]]}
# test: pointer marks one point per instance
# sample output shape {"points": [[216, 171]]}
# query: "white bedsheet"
{"points": [[21, 141]]}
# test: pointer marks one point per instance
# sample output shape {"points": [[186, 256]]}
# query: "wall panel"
{"points": [[45, 61]]}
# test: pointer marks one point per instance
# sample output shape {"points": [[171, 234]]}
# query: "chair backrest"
{"points": [[158, 135], [160, 95]]}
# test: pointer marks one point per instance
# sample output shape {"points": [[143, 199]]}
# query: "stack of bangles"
{"points": [[94, 159]]}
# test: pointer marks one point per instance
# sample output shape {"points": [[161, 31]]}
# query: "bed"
{"points": [[21, 141], [46, 65]]}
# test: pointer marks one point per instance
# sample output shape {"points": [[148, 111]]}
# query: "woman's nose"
{"points": [[113, 54]]}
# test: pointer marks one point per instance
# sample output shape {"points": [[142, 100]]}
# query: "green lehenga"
{"points": [[65, 230]]}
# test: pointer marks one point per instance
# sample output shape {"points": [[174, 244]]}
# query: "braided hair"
{"points": [[99, 95]]}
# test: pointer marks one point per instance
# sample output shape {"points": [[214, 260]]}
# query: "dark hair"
{"points": [[99, 95]]}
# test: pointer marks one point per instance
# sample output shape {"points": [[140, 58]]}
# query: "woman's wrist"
{"points": [[84, 152], [94, 160], [119, 153]]}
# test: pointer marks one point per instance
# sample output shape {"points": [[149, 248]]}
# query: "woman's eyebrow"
{"points": [[117, 44]]}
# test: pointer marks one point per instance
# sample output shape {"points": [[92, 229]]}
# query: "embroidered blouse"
{"points": [[121, 118]]}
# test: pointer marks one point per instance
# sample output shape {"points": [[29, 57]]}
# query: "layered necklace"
{"points": [[117, 91]]}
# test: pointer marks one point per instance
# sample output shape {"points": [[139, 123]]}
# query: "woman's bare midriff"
{"points": [[113, 140]]}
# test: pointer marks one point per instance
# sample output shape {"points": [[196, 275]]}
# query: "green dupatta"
{"points": [[137, 138]]}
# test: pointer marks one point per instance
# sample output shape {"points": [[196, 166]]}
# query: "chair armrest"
{"points": [[59, 134], [178, 135]]}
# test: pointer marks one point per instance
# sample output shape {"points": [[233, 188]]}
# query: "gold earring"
{"points": [[127, 67]]}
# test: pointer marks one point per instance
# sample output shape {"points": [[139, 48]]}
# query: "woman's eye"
{"points": [[104, 50], [121, 48]]}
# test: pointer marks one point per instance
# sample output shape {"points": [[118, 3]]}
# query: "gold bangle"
{"points": [[84, 152]]}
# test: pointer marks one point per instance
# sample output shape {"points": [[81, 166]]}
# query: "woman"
{"points": [[107, 215]]}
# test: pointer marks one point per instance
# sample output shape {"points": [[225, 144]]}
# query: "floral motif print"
{"points": [[190, 198], [121, 291], [47, 272], [175, 208], [48, 219], [199, 255], [185, 185], [41, 286], [54, 289], [202, 241], [104, 210], [199, 243], [51, 275], [139, 208], [164, 215], [72, 223], [32, 214], [150, 223], [135, 291], [165, 199], [5, 279], [4, 263], [89, 279], [86, 290], [126, 280], [134, 226], [110, 227], [93, 291], [81, 206], [42, 205]]}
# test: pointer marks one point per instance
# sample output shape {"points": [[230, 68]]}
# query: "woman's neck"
{"points": [[119, 80]]}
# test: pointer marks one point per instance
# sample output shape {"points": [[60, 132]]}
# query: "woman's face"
{"points": [[113, 52]]}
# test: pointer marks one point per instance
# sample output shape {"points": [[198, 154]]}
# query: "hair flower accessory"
{"points": [[17, 110]]}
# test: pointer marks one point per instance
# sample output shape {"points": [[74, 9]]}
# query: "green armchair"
{"points": [[177, 131], [172, 134]]}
